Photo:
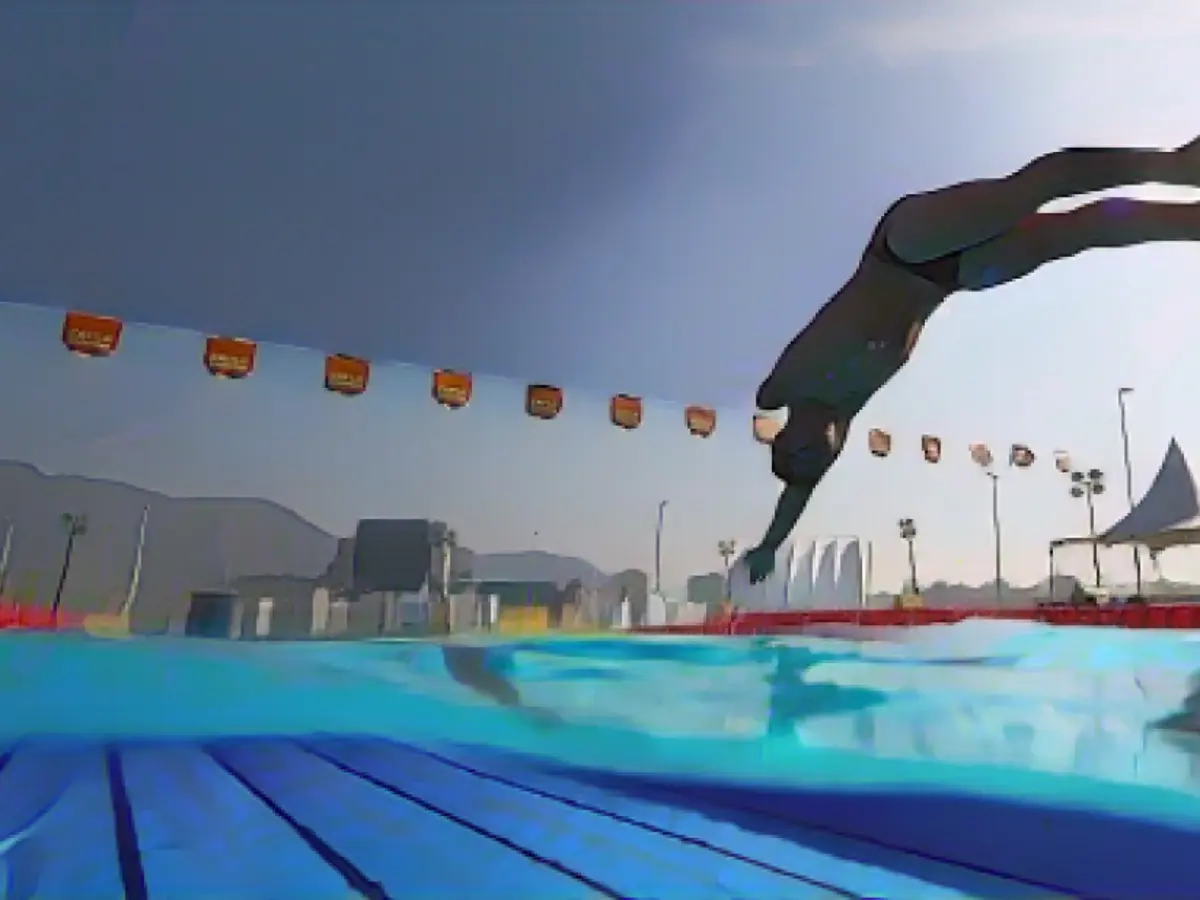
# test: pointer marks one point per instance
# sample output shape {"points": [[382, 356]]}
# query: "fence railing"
{"points": [[1184, 616]]}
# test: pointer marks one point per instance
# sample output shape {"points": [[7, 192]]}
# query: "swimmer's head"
{"points": [[802, 451]]}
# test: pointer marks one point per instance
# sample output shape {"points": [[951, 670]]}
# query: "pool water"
{"points": [[981, 760]]}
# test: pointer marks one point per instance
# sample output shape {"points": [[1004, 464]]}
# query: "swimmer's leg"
{"points": [[1046, 237], [927, 226]]}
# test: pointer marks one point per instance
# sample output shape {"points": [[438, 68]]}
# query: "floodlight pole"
{"points": [[658, 534], [1092, 532], [908, 531], [1137, 553], [1088, 485], [996, 530]]}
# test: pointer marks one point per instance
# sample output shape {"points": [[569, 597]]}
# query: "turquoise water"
{"points": [[1005, 713]]}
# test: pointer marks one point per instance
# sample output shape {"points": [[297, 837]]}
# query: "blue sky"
{"points": [[647, 197]]}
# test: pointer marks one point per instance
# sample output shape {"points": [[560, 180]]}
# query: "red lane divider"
{"points": [[1183, 616], [38, 618]]}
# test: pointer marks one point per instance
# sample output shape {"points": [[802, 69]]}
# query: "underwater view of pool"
{"points": [[981, 760]]}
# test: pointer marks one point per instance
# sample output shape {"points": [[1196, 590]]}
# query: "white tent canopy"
{"points": [[1168, 515]]}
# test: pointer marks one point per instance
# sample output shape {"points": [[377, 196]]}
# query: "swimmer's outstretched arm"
{"points": [[788, 509], [760, 562]]}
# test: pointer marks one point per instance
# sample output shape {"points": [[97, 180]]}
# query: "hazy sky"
{"points": [[648, 197]]}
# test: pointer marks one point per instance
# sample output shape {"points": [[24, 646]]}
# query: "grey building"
{"points": [[369, 588], [291, 616], [402, 555], [213, 614], [708, 589], [392, 556]]}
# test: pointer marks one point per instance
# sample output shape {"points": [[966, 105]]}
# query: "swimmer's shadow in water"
{"points": [[1187, 719], [989, 848], [1182, 729]]}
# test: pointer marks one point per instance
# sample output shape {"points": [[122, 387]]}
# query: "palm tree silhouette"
{"points": [[727, 550]]}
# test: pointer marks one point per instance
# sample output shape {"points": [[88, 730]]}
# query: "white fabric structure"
{"points": [[1168, 515], [798, 590], [827, 573]]}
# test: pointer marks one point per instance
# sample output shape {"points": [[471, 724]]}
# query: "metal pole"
{"points": [[866, 592], [62, 575], [787, 581], [912, 566], [4, 556], [1092, 533], [1137, 553], [135, 575], [996, 529], [658, 532]]}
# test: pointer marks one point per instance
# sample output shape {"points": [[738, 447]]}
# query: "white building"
{"points": [[825, 573], [339, 617], [262, 621], [320, 612]]}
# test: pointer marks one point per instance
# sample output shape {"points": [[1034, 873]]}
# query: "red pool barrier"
{"points": [[38, 618], [1180, 616]]}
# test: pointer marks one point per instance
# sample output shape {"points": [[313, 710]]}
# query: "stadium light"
{"points": [[1089, 485], [908, 532]]}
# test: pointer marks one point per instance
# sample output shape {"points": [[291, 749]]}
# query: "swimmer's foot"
{"points": [[1189, 157]]}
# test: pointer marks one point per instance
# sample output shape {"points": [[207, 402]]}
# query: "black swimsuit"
{"points": [[941, 272], [806, 449]]}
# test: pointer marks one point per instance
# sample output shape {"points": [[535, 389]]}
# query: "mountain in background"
{"points": [[191, 544]]}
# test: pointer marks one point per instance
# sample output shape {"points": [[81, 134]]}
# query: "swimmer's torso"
{"points": [[859, 339]]}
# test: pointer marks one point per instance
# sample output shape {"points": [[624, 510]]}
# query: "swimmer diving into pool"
{"points": [[966, 237]]}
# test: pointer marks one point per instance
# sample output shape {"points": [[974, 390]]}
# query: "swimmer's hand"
{"points": [[760, 563]]}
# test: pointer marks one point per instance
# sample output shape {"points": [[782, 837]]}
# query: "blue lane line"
{"points": [[129, 854], [637, 860], [471, 816], [56, 824], [793, 861], [415, 852], [203, 834], [1004, 884], [883, 878], [355, 878]]}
